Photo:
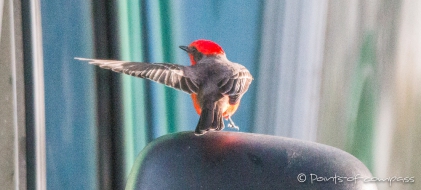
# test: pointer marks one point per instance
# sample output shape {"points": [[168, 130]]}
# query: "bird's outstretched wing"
{"points": [[236, 85], [171, 75]]}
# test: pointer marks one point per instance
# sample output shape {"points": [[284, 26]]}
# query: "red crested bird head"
{"points": [[200, 48]]}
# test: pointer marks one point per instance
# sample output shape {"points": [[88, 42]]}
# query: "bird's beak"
{"points": [[185, 48]]}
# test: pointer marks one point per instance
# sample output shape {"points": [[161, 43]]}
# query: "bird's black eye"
{"points": [[196, 54]]}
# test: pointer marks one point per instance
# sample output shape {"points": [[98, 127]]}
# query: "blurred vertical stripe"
{"points": [[71, 136], [109, 109], [13, 167], [35, 117], [350, 88], [291, 58], [405, 155], [130, 46]]}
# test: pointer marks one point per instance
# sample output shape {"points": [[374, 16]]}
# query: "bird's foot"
{"points": [[198, 132], [232, 124]]}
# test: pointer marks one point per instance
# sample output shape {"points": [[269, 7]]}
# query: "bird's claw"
{"points": [[231, 124]]}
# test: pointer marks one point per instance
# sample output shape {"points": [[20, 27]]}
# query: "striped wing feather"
{"points": [[236, 85], [171, 75]]}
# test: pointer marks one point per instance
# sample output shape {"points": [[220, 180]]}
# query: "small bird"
{"points": [[216, 84]]}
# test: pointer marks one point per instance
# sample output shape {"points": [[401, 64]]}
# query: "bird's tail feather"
{"points": [[210, 118], [218, 123], [205, 121]]}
